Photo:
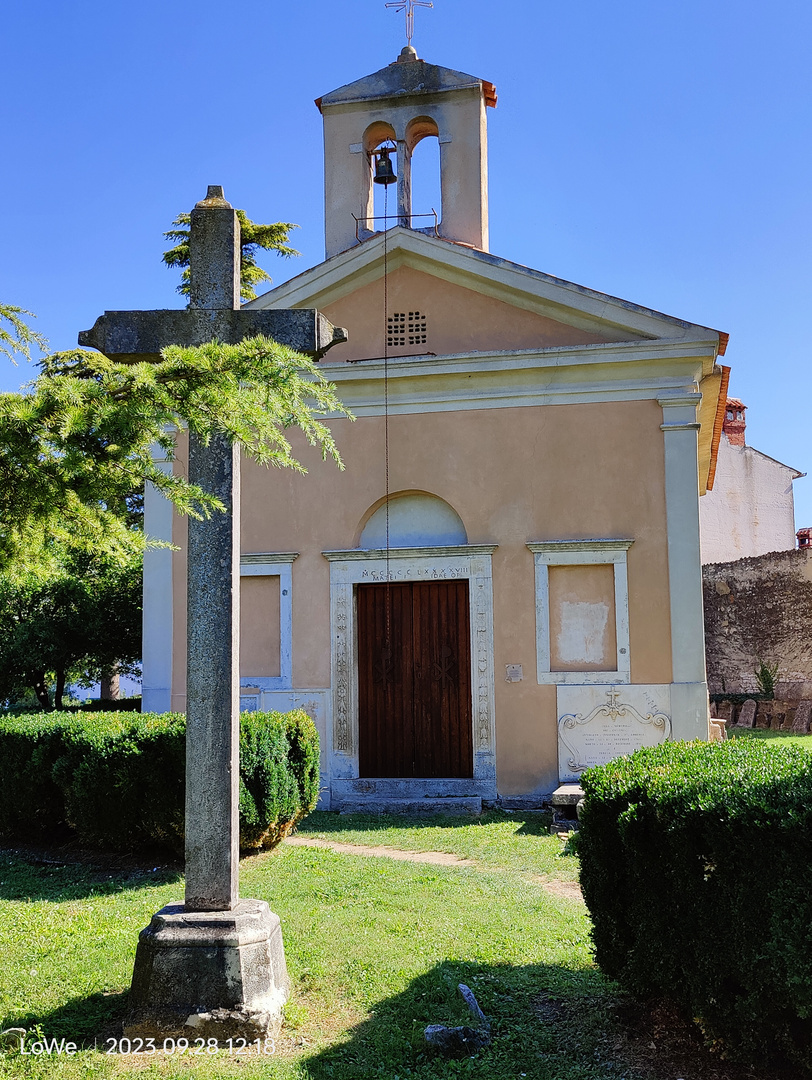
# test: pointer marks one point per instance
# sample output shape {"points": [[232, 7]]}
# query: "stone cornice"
{"points": [[601, 544], [441, 552], [651, 370], [261, 558]]}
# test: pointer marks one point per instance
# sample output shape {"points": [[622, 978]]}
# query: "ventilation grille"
{"points": [[406, 328]]}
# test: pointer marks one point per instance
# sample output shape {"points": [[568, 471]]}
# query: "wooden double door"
{"points": [[414, 680]]}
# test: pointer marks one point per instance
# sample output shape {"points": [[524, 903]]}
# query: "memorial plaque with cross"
{"points": [[236, 985]]}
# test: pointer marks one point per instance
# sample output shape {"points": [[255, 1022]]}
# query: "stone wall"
{"points": [[776, 715], [760, 609]]}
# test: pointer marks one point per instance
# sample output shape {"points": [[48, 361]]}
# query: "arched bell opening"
{"points": [[423, 148], [378, 199]]}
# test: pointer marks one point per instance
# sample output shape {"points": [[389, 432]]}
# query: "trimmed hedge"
{"points": [[117, 779], [696, 867]]}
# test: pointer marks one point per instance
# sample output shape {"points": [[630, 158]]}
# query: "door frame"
{"points": [[471, 562]]}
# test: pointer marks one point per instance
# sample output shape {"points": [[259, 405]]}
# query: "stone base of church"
{"points": [[209, 975]]}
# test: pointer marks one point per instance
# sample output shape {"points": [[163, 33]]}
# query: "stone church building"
{"points": [[528, 599]]}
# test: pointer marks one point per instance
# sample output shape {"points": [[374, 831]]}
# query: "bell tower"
{"points": [[399, 105]]}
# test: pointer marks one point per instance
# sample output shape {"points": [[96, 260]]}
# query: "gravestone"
{"points": [[599, 723], [214, 966], [803, 714], [747, 717]]}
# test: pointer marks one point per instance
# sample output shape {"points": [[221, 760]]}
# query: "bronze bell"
{"points": [[384, 171]]}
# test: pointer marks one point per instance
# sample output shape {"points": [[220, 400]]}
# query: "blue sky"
{"points": [[659, 151]]}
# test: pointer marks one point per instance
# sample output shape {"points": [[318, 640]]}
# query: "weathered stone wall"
{"points": [[760, 609]]}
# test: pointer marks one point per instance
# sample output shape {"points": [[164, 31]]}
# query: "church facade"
{"points": [[513, 549]]}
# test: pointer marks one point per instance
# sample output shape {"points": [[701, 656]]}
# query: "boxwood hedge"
{"points": [[117, 779], [697, 872]]}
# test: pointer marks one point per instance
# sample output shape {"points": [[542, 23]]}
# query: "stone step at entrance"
{"points": [[451, 807], [410, 796], [564, 801]]}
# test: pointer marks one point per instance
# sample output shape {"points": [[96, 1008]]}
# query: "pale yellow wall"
{"points": [[513, 476], [259, 627], [459, 320], [582, 618]]}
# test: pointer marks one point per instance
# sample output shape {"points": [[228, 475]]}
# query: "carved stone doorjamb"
{"points": [[471, 562]]}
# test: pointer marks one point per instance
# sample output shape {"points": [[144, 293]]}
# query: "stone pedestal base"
{"points": [[209, 974]]}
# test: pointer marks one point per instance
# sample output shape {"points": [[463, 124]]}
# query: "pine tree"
{"points": [[75, 449], [252, 237]]}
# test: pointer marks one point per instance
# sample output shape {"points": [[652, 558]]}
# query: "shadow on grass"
{"points": [[535, 823], [85, 1021], [26, 875], [548, 1022]]}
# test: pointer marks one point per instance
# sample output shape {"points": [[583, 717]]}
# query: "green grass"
{"points": [[804, 741], [375, 949], [517, 842]]}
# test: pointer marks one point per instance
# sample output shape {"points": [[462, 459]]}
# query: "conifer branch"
{"points": [[253, 236]]}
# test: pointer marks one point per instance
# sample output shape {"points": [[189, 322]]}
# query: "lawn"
{"points": [[375, 949], [804, 741]]}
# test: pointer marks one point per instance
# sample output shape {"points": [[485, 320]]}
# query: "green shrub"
{"points": [[122, 775], [303, 755], [697, 871], [32, 806], [118, 778]]}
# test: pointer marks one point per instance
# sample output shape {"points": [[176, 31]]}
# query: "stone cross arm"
{"points": [[140, 335]]}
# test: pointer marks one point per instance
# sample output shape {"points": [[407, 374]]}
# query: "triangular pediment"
{"points": [[470, 301]]}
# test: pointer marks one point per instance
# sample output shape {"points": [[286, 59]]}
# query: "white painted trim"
{"points": [[456, 562], [679, 429], [275, 564], [547, 553], [577, 374], [157, 613]]}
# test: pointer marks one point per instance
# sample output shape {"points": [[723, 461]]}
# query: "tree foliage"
{"points": [[77, 446], [252, 237], [16, 336], [71, 618]]}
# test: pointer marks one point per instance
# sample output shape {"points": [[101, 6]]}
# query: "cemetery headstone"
{"points": [[803, 714], [747, 716]]}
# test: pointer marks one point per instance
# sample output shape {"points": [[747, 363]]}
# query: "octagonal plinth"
{"points": [[209, 974]]}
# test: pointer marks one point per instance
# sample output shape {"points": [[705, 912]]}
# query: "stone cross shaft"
{"points": [[212, 733]]}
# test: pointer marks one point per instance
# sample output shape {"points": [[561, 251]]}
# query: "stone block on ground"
{"points": [[717, 731]]}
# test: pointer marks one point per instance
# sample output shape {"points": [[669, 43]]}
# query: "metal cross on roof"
{"points": [[408, 6]]}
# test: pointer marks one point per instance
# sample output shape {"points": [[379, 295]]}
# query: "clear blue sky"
{"points": [[659, 151]]}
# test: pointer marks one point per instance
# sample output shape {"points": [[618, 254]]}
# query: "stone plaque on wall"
{"points": [[598, 723]]}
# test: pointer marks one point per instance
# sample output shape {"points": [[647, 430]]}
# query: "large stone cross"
{"points": [[243, 982]]}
